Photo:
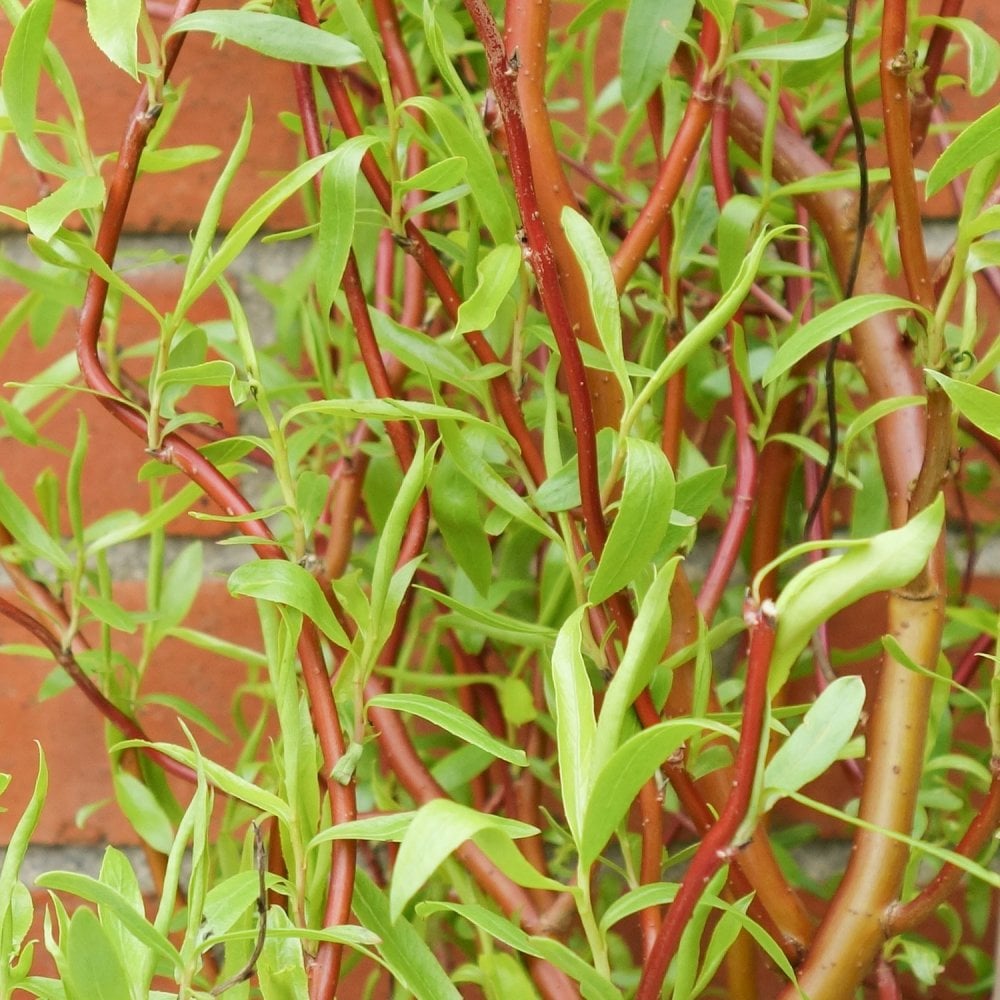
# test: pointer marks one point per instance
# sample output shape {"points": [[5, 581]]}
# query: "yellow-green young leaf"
{"points": [[273, 35], [92, 966], [646, 644], [281, 967], [736, 223], [890, 559], [818, 46], [817, 742], [575, 725], [601, 288], [27, 531], [46, 216], [387, 828], [616, 785], [490, 196], [402, 949], [978, 405], [458, 511], [337, 216], [452, 720], [497, 272], [641, 522], [653, 30], [978, 142], [438, 828], [284, 582], [984, 50], [90, 889], [114, 24], [828, 324], [143, 811], [22, 67]]}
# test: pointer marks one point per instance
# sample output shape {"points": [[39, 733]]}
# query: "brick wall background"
{"points": [[166, 208]]}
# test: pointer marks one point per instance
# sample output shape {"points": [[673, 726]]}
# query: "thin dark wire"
{"points": [[852, 274]]}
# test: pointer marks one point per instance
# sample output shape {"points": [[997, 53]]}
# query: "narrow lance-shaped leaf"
{"points": [[453, 720], [575, 726], [653, 30], [497, 272], [890, 559], [828, 324], [601, 288], [817, 742], [979, 142], [438, 828], [288, 583], [402, 949], [615, 787], [273, 35], [337, 216], [641, 522], [646, 644], [978, 405]]}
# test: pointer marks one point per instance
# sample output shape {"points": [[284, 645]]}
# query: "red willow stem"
{"points": [[674, 168], [972, 659], [503, 73], [885, 982], [416, 244], [906, 916], [894, 70], [924, 98], [717, 847], [727, 550], [65, 658], [527, 33]]}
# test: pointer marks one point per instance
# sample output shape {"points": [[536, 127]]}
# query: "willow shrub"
{"points": [[542, 351]]}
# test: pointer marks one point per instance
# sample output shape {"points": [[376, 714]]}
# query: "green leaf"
{"points": [[646, 646], [817, 742], [984, 50], [497, 272], [403, 950], [641, 522], [618, 782], [284, 582], [93, 968], [338, 216], [890, 559], [180, 586], [225, 780], [143, 811], [601, 288], [388, 828], [653, 30], [46, 216], [575, 726], [811, 49], [978, 142], [246, 227], [452, 720], [281, 967], [459, 514], [22, 68], [26, 529], [593, 986], [90, 889], [114, 24], [490, 196], [828, 324], [978, 405], [18, 843], [439, 827], [736, 224], [273, 35], [468, 458], [166, 161]]}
